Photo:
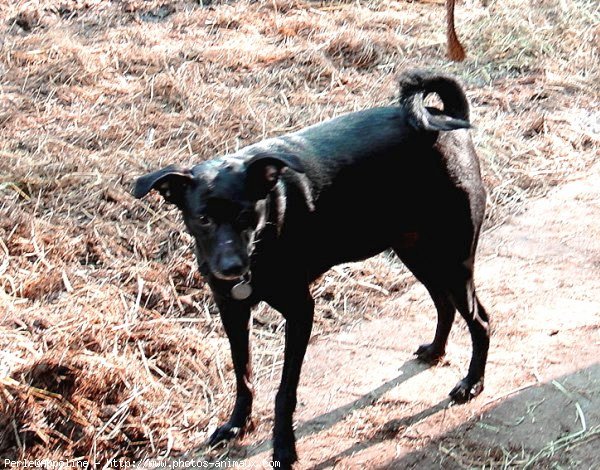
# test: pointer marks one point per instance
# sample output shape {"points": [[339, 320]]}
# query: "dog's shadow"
{"points": [[389, 431], [327, 420]]}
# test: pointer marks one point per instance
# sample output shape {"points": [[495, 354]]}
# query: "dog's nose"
{"points": [[232, 266]]}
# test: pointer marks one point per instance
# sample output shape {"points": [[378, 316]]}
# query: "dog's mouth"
{"points": [[232, 277]]}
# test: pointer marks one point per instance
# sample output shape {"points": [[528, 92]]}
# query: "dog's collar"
{"points": [[274, 211]]}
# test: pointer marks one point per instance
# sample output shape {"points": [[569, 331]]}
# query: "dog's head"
{"points": [[223, 205]]}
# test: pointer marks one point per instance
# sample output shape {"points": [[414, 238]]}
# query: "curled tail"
{"points": [[415, 85]]}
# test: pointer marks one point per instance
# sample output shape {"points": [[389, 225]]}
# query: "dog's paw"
{"points": [[285, 456], [284, 448], [223, 434], [429, 353], [464, 391]]}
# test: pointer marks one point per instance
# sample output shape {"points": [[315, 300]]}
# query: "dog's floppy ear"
{"points": [[171, 182], [263, 171]]}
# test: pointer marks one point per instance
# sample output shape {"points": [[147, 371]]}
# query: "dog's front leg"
{"points": [[299, 313], [235, 316]]}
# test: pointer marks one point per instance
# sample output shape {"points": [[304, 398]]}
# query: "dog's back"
{"points": [[373, 176]]}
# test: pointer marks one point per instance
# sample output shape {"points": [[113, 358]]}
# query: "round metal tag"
{"points": [[241, 291]]}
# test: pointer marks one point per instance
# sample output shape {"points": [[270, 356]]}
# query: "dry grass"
{"points": [[110, 343]]}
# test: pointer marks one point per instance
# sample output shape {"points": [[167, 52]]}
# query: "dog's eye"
{"points": [[204, 220]]}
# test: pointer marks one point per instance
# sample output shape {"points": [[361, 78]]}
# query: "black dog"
{"points": [[274, 216]]}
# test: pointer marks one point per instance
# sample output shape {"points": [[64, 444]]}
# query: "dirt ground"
{"points": [[365, 403]]}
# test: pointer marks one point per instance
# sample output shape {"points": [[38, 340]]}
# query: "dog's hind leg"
{"points": [[236, 322], [465, 299], [434, 351], [450, 285]]}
